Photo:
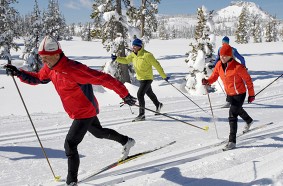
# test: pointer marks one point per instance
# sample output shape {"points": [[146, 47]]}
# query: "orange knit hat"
{"points": [[226, 50]]}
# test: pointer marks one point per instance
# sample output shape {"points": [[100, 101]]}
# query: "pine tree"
{"points": [[32, 39], [145, 17], [201, 54], [242, 32], [72, 29], [271, 30], [173, 33], [281, 34], [8, 29], [115, 31], [53, 21], [256, 29], [275, 25], [268, 32], [163, 31], [86, 32]]}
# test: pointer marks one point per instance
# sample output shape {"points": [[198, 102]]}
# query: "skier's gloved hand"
{"points": [[167, 78], [251, 99], [204, 81], [130, 100], [211, 66], [113, 57], [12, 70]]}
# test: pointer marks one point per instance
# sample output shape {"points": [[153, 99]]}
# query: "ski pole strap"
{"points": [[204, 128]]}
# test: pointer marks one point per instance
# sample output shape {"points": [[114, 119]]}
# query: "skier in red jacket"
{"points": [[73, 82]]}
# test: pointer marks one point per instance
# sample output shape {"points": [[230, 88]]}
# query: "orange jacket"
{"points": [[234, 78]]}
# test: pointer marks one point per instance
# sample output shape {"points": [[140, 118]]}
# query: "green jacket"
{"points": [[143, 63]]}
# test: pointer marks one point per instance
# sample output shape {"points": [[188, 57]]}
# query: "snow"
{"points": [[235, 9], [192, 160]]}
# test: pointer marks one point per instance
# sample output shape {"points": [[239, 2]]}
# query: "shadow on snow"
{"points": [[174, 175], [32, 152]]}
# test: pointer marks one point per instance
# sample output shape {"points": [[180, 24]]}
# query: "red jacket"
{"points": [[72, 81], [235, 78]]}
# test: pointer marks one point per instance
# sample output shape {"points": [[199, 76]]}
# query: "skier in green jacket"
{"points": [[143, 61]]}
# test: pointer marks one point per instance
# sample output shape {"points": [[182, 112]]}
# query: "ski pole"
{"points": [[186, 96], [204, 128], [57, 178], [221, 87], [122, 104], [211, 111], [269, 84], [131, 109]]}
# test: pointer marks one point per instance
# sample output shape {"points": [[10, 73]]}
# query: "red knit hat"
{"points": [[49, 46], [226, 50]]}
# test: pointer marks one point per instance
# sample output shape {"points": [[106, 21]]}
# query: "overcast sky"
{"points": [[76, 11]]}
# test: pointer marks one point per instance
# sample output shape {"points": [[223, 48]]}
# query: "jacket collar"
{"points": [[59, 66], [140, 52]]}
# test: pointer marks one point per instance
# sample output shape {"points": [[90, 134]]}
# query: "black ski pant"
{"points": [[76, 134], [236, 109], [145, 88]]}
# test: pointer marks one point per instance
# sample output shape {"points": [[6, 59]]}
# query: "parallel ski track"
{"points": [[49, 133], [156, 165]]}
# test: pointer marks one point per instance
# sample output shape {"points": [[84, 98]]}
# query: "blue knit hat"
{"points": [[137, 42], [225, 40]]}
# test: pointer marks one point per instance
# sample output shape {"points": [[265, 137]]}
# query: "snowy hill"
{"points": [[227, 16], [232, 12]]}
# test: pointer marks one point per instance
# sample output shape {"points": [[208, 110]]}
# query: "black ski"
{"points": [[129, 158]]}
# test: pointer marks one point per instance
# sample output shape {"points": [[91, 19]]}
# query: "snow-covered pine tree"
{"points": [[268, 31], [32, 39], [53, 22], [8, 29], [281, 33], [242, 31], [72, 29], [145, 17], [163, 31], [116, 32], [79, 30], [150, 9], [67, 34], [86, 32], [201, 54], [275, 29], [271, 30], [256, 28]]}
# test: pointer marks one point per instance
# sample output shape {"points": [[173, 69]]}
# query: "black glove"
{"points": [[204, 81], [167, 78], [12, 70], [113, 57], [211, 66], [130, 100], [251, 99]]}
